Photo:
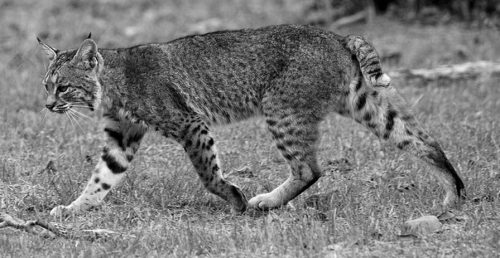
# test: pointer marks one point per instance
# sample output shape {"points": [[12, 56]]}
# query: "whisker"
{"points": [[82, 104], [79, 102], [417, 101], [73, 114], [77, 106], [44, 111], [45, 114], [81, 114], [70, 121]]}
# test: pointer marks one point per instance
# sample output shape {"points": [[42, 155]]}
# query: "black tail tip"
{"points": [[461, 192]]}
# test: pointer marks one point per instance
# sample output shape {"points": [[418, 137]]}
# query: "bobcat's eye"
{"points": [[62, 88]]}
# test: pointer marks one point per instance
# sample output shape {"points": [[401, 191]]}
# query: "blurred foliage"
{"points": [[476, 12]]}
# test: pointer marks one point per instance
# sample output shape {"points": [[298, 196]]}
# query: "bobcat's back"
{"points": [[225, 75]]}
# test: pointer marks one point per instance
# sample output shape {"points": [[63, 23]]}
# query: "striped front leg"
{"points": [[123, 141]]}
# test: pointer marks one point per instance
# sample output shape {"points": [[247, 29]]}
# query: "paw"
{"points": [[265, 202], [60, 211]]}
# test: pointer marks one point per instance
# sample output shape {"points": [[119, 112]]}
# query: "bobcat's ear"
{"points": [[50, 51], [86, 54]]}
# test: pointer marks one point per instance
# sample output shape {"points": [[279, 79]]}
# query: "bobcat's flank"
{"points": [[292, 75]]}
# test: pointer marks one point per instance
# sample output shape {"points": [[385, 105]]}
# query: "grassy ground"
{"points": [[356, 209]]}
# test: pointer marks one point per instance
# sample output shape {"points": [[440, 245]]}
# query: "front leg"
{"points": [[123, 139]]}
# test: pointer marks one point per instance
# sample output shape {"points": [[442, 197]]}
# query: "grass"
{"points": [[356, 209]]}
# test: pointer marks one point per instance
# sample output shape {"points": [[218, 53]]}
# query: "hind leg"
{"points": [[295, 138], [386, 114]]}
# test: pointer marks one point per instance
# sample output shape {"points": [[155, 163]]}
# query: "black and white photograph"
{"points": [[250, 128]]}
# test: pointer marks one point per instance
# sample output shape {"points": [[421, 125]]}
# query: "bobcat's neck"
{"points": [[113, 79]]}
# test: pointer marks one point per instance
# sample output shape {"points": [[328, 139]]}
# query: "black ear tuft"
{"points": [[50, 51], [90, 35]]}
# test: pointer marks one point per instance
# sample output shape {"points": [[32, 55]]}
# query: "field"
{"points": [[161, 209]]}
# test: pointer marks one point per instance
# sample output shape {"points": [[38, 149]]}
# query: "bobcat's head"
{"points": [[72, 77]]}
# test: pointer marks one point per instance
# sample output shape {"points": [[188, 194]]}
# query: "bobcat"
{"points": [[292, 75]]}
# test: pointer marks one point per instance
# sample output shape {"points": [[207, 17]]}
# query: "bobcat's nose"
{"points": [[50, 103], [50, 106]]}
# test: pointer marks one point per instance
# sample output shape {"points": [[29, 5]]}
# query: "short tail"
{"points": [[369, 61]]}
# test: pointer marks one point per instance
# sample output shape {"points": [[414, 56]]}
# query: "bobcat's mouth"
{"points": [[61, 108], [66, 107]]}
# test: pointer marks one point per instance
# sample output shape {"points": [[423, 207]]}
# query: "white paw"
{"points": [[60, 211], [265, 202]]}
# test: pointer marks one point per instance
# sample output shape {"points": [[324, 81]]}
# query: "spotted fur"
{"points": [[292, 75]]}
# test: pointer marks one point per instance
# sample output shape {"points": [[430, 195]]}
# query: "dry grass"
{"points": [[368, 189]]}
